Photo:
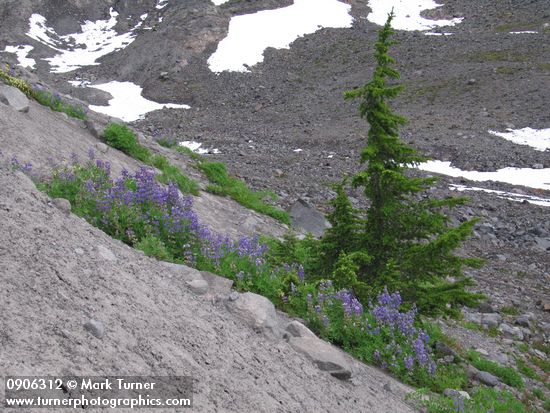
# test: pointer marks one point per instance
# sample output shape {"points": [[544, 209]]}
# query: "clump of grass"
{"points": [[526, 370], [509, 310], [539, 394], [544, 365], [499, 56], [523, 347], [173, 173], [223, 184], [119, 136], [506, 374], [54, 101]]}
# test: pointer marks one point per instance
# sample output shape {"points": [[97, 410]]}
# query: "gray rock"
{"points": [[511, 332], [491, 319], [15, 98], [487, 378], [471, 81], [297, 329], [538, 166], [482, 351], [199, 287], [93, 129], [472, 318], [101, 147], [216, 284], [257, 312], [542, 243], [327, 357], [454, 394], [96, 328], [523, 321], [163, 76], [233, 296], [444, 349], [79, 251], [63, 205], [106, 253], [485, 308], [306, 217]]}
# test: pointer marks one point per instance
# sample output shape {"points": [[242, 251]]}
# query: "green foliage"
{"points": [[483, 400], [119, 136], [53, 101], [223, 184], [526, 370], [291, 250], [546, 405], [154, 247], [405, 243], [56, 104], [342, 237], [173, 173], [16, 82], [509, 310], [506, 374], [539, 394]]}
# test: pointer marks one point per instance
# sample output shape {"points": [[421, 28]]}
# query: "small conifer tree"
{"points": [[341, 237], [407, 237]]}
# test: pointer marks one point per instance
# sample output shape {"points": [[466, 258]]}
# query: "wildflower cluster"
{"points": [[143, 213], [381, 334], [403, 347]]}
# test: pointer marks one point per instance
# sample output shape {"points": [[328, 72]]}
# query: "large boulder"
{"points": [[306, 217], [15, 98], [257, 312], [327, 357]]}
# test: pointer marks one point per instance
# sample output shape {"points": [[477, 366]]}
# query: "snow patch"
{"points": [[76, 50], [127, 103], [407, 14], [196, 147], [249, 35], [80, 83], [536, 138], [161, 4], [219, 2], [533, 178], [22, 53], [504, 195], [525, 32]]}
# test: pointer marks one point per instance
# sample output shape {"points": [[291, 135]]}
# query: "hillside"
{"points": [[477, 87]]}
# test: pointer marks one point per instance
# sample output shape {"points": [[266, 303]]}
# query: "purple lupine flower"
{"points": [[409, 362], [91, 154]]}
